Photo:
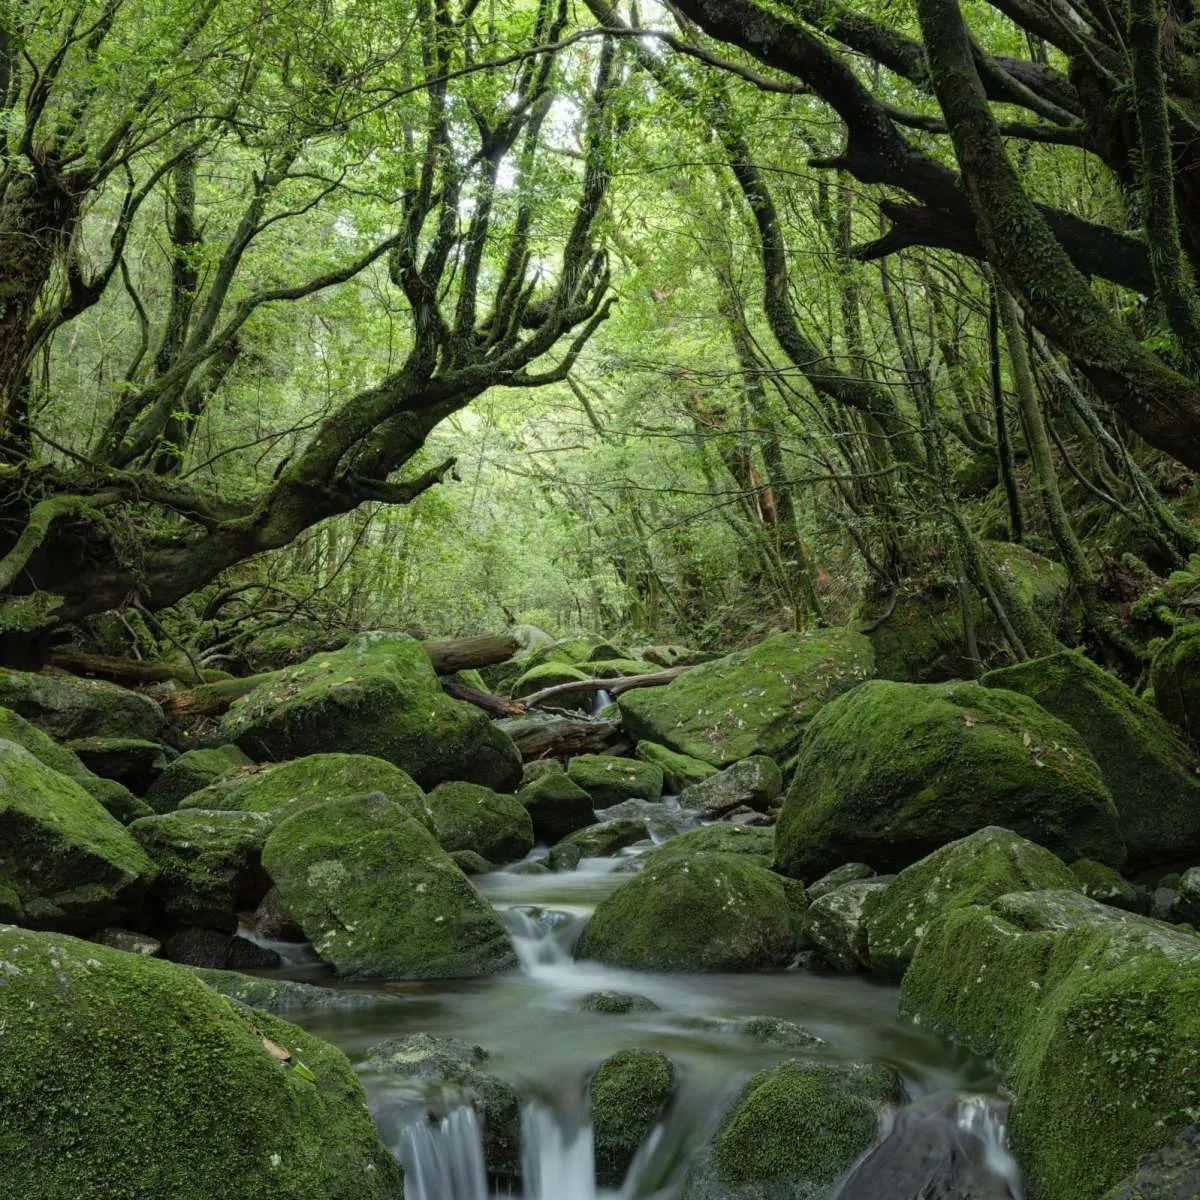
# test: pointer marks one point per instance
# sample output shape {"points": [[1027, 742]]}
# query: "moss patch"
{"points": [[467, 816], [629, 1092], [191, 771], [610, 780], [1175, 678]]}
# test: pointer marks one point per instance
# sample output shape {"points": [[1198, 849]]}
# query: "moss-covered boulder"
{"points": [[617, 668], [835, 923], [1102, 883], [922, 640], [752, 783], [717, 839], [209, 864], [679, 770], [549, 674], [538, 767], [134, 762], [65, 863], [1092, 1013], [378, 897], [616, 1003], [604, 839], [850, 872], [286, 995], [66, 706], [126, 1078], [377, 696], [756, 701], [446, 1072], [1150, 771], [891, 771], [468, 816], [703, 912], [629, 1092], [557, 806], [1170, 1173], [1175, 678], [794, 1131], [676, 656], [973, 870], [280, 788], [191, 771], [610, 780]]}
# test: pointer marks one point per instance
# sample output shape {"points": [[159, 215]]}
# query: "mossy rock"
{"points": [[676, 656], [1150, 771], [378, 696], [609, 780], [209, 864], [445, 1072], [1092, 1014], [549, 674], [973, 870], [557, 806], [281, 788], [126, 1078], [617, 668], [1175, 679], [539, 767], [892, 771], [616, 1003], [850, 872], [922, 640], [1102, 883], [679, 770], [1170, 1173], [752, 783], [191, 771], [379, 898], [629, 1092], [116, 799], [757, 701], [835, 923], [603, 839], [134, 762], [65, 863], [470, 863], [575, 651], [794, 1131], [286, 995], [717, 839], [703, 912], [66, 706], [467, 816]]}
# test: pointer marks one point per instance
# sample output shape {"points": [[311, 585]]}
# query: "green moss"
{"points": [[717, 839], [618, 668], [757, 701], [754, 782], [283, 787], [610, 780], [1092, 1013], [703, 912], [191, 771], [972, 870], [629, 1092], [66, 706], [14, 728], [605, 838], [209, 863], [1175, 678], [891, 771], [796, 1129], [1149, 769], [616, 1003], [1102, 883], [556, 806], [378, 897], [679, 770], [126, 1078], [378, 696], [549, 674], [64, 861], [116, 799], [467, 816]]}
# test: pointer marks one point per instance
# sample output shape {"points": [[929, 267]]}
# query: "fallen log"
{"points": [[614, 687], [461, 654], [558, 737], [127, 670], [497, 706]]}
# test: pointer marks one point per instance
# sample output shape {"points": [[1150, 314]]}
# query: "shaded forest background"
{"points": [[683, 322]]}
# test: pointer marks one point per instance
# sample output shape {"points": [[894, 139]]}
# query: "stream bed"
{"points": [[542, 1041]]}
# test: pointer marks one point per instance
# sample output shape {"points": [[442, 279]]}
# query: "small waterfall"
{"points": [[987, 1121], [542, 937], [443, 1160], [558, 1163], [600, 702]]}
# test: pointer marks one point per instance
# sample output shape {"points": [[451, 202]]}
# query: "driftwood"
{"points": [[497, 706], [461, 654], [614, 687], [559, 737]]}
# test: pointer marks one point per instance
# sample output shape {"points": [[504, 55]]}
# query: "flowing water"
{"points": [[545, 1044]]}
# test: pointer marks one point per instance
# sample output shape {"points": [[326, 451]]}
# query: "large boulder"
{"points": [[209, 864], [378, 696], [281, 788], [757, 701], [468, 816], [835, 923], [378, 897], [629, 1092], [65, 706], [794, 1131], [1150, 771], [65, 863], [891, 771], [126, 1078], [1175, 678], [973, 870], [705, 912], [717, 839], [679, 770], [191, 771], [1092, 1014], [557, 806], [753, 783], [610, 780], [546, 675], [133, 762]]}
